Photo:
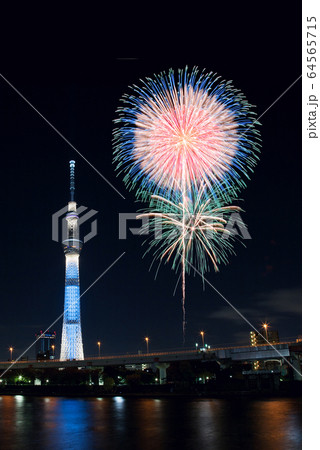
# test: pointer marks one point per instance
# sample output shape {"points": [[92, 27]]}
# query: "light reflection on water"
{"points": [[149, 424]]}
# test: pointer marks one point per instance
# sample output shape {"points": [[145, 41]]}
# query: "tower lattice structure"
{"points": [[71, 343]]}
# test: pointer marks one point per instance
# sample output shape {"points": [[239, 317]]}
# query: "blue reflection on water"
{"points": [[71, 418], [119, 401]]}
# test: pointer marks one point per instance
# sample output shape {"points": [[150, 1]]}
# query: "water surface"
{"points": [[149, 424]]}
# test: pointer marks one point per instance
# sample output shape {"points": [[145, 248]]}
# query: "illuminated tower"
{"points": [[71, 344]]}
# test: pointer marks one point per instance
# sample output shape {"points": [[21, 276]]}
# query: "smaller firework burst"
{"points": [[190, 233], [196, 228]]}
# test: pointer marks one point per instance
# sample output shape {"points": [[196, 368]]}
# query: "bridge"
{"points": [[223, 355]]}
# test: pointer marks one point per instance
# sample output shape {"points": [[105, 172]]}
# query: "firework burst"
{"points": [[198, 225], [177, 132], [186, 144], [189, 233]]}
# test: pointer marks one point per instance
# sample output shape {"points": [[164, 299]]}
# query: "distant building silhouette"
{"points": [[45, 345]]}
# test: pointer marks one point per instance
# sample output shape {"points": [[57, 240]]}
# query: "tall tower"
{"points": [[71, 344]]}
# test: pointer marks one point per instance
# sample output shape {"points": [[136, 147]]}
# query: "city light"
{"points": [[265, 326], [99, 344], [147, 342], [11, 351], [202, 336]]}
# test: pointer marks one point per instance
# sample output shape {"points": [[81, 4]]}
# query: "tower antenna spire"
{"points": [[72, 184]]}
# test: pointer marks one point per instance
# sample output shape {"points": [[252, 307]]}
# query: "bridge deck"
{"points": [[240, 353]]}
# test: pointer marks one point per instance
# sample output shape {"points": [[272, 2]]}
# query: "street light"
{"points": [[11, 350], [147, 342], [53, 347], [99, 343], [265, 326], [202, 336]]}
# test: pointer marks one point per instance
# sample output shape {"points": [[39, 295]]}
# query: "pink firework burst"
{"points": [[185, 133], [185, 138]]}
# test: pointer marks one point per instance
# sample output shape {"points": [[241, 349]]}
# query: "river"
{"points": [[149, 424]]}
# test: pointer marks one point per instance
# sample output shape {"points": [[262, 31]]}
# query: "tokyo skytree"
{"points": [[71, 343]]}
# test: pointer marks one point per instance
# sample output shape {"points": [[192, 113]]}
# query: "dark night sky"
{"points": [[262, 57]]}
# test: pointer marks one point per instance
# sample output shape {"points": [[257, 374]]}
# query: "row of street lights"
{"points": [[202, 333], [11, 351], [264, 325], [147, 339], [98, 344]]}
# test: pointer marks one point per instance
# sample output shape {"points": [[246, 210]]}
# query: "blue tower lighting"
{"points": [[71, 343]]}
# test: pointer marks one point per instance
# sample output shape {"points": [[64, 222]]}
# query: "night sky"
{"points": [[263, 281]]}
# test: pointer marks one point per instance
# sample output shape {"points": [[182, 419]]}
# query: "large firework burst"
{"points": [[178, 131]]}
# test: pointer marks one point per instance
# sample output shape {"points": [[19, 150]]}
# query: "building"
{"points": [[71, 342], [265, 337], [45, 345], [271, 336]]}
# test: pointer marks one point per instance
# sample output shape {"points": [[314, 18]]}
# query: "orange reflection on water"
{"points": [[275, 425]]}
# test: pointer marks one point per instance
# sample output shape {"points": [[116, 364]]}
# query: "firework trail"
{"points": [[191, 138]]}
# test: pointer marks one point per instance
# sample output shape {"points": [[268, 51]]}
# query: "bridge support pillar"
{"points": [[297, 365], [162, 371]]}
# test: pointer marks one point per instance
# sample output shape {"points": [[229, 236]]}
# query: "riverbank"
{"points": [[292, 389]]}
